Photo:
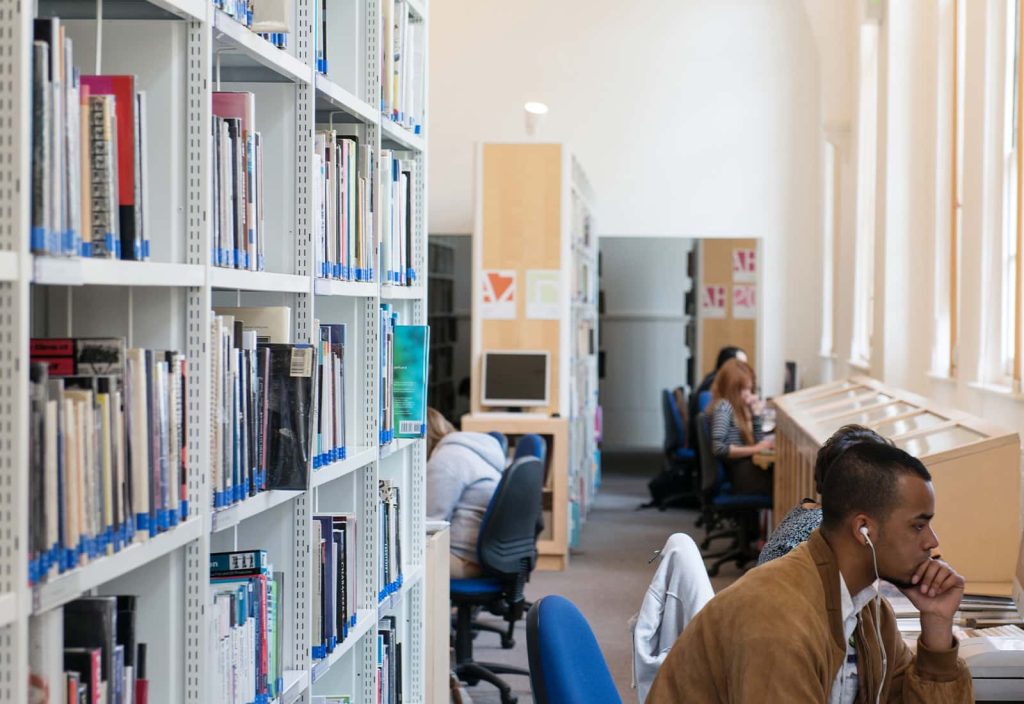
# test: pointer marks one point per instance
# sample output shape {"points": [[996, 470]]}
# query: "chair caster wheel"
{"points": [[507, 643], [508, 698]]}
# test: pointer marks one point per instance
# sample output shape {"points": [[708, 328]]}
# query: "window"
{"points": [[828, 249], [867, 155], [1007, 369], [950, 199]]}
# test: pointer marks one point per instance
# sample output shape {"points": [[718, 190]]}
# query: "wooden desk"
{"points": [[975, 467], [553, 544]]}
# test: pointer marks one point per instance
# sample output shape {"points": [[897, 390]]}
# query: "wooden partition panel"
{"points": [[521, 229], [717, 268]]}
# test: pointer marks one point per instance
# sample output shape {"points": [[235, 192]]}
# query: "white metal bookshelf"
{"points": [[181, 51]]}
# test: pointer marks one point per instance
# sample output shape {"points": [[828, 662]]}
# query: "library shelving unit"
{"points": [[181, 51], [535, 217]]}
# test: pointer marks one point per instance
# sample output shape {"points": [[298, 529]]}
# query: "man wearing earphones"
{"points": [[810, 626]]}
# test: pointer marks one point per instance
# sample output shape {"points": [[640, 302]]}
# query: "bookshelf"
{"points": [[535, 216], [180, 52]]}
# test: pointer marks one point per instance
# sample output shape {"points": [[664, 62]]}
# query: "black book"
{"points": [[126, 627], [91, 622], [290, 397]]}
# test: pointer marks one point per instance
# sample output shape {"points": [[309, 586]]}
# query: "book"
{"points": [[129, 136], [290, 415], [272, 324], [411, 348]]}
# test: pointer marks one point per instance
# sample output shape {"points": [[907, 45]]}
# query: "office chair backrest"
{"points": [[566, 663], [668, 417], [703, 400], [507, 544], [710, 466], [531, 445], [502, 440]]}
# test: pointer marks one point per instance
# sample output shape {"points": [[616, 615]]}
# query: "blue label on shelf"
{"points": [[369, 275], [183, 509], [333, 643], [218, 499], [418, 129], [318, 652], [33, 572], [111, 244], [317, 462], [145, 249], [142, 522], [172, 518], [336, 271], [38, 239], [352, 622], [382, 595], [342, 453], [261, 263], [359, 274], [161, 520]]}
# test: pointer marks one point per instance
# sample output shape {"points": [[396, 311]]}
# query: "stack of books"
{"points": [[344, 173], [396, 219], [88, 156], [91, 643], [108, 449], [262, 404], [239, 233], [335, 578], [247, 614], [402, 66], [330, 435]]}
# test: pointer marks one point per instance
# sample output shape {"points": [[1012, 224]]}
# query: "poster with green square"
{"points": [[410, 380]]}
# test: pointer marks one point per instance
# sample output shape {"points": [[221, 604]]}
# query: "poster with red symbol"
{"points": [[712, 301], [498, 301], [744, 266], [744, 302]]}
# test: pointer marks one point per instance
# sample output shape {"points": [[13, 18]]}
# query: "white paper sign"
{"points": [[498, 301], [712, 301], [543, 293], [744, 266], [744, 302]]}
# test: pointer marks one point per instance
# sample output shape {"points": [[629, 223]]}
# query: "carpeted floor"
{"points": [[608, 573]]}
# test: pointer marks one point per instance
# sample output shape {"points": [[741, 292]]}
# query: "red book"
{"points": [[128, 183], [88, 663]]}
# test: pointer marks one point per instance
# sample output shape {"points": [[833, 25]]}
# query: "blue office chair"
{"points": [[531, 445], [676, 485], [502, 440], [720, 504], [566, 664], [507, 552]]}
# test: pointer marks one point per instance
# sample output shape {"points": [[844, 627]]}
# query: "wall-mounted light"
{"points": [[534, 113]]}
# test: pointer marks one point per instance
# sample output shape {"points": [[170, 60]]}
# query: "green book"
{"points": [[409, 387]]}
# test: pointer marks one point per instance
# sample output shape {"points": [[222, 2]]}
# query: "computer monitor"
{"points": [[515, 378]]}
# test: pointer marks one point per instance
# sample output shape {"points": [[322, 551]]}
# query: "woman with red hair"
{"points": [[736, 428]]}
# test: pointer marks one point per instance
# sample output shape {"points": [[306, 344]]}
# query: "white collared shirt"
{"points": [[844, 688]]}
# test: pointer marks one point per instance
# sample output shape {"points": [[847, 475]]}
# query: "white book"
{"points": [[46, 654], [139, 432], [271, 323]]}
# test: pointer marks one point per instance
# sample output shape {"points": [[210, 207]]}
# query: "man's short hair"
{"points": [[835, 446], [865, 479]]}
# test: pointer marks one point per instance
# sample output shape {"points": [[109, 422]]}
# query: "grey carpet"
{"points": [[608, 573]]}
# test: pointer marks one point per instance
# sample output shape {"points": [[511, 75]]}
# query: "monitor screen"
{"points": [[515, 379]]}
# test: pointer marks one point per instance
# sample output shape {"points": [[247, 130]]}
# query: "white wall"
{"points": [[692, 119], [642, 332]]}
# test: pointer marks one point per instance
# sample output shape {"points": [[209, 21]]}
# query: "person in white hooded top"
{"points": [[463, 470]]}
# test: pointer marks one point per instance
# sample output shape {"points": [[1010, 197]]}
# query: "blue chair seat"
{"points": [[476, 585]]}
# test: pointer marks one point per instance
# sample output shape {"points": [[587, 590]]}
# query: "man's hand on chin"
{"points": [[936, 591]]}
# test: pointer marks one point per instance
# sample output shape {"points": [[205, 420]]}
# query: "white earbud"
{"points": [[878, 615]]}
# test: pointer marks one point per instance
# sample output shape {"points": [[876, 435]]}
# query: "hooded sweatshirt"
{"points": [[462, 474]]}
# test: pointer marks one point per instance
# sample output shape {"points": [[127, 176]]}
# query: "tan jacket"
{"points": [[776, 635]]}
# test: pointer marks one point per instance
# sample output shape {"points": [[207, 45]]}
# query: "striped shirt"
{"points": [[725, 432]]}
